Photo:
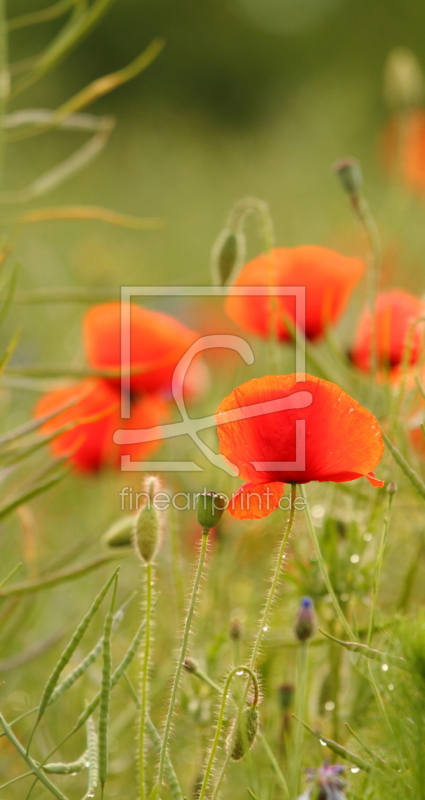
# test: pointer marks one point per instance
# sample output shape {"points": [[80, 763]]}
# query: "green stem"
{"points": [[145, 681], [263, 623], [218, 730], [35, 768], [180, 661], [324, 570], [378, 568], [300, 704], [4, 80], [362, 211]]}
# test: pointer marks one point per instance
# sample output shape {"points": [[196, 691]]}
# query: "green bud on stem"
{"points": [[245, 733], [210, 507]]}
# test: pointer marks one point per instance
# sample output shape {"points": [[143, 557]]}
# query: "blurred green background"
{"points": [[250, 97]]}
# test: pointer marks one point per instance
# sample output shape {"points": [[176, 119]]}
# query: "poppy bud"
{"points": [[286, 694], [190, 665], [147, 529], [403, 79], [349, 173], [245, 733], [236, 630], [305, 621], [209, 509], [392, 488], [120, 534], [227, 253]]}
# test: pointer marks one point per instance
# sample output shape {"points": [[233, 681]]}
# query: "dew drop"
{"points": [[266, 627], [355, 769], [239, 672], [355, 558], [384, 667], [329, 705], [322, 743]]}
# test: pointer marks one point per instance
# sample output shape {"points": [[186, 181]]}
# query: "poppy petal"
{"points": [[256, 500], [157, 343], [332, 439], [328, 278], [374, 481]]}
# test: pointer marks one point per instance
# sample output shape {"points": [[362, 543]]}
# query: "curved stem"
{"points": [[263, 623], [182, 654], [145, 681], [216, 742]]}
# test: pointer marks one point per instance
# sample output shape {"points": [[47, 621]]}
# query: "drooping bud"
{"points": [[236, 630], [147, 527], [349, 172], [210, 507], [190, 665], [227, 254], [305, 622], [120, 534], [245, 733], [404, 83]]}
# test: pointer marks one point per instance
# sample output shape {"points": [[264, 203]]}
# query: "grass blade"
{"points": [[105, 694]]}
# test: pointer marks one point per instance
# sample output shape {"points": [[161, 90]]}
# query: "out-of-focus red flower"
{"points": [[343, 440], [328, 278], [95, 416], [403, 147], [157, 343], [396, 311]]}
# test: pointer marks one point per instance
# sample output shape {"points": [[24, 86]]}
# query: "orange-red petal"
{"points": [[396, 311], [92, 407], [157, 342], [256, 500], [328, 278], [342, 439]]}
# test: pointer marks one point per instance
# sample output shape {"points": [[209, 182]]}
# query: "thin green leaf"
{"points": [[30, 494], [339, 749], [56, 578], [105, 693], [410, 473], [370, 652], [10, 293], [69, 650], [90, 658], [38, 772]]}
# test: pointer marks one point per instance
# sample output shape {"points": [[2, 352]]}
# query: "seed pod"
{"points": [[147, 528], [227, 254], [210, 507], [120, 534], [349, 173], [245, 734]]}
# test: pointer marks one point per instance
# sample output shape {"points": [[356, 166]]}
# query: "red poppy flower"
{"points": [[328, 277], [157, 342], [403, 147], [342, 440], [95, 410], [396, 310]]}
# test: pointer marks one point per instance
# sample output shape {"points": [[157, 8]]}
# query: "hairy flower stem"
{"points": [[263, 624], [180, 661], [144, 676], [220, 720], [300, 706]]}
